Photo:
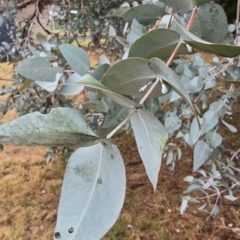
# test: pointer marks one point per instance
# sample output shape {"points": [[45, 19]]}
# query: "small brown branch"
{"points": [[120, 125], [174, 53], [189, 25], [149, 91], [46, 30], [192, 18]]}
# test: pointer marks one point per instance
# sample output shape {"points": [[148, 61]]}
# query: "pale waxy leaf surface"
{"points": [[100, 71], [50, 86], [129, 76], [144, 14], [151, 137], [76, 58], [88, 81], [201, 154], [183, 6], [229, 126], [170, 77], [196, 42], [210, 120], [70, 88], [38, 69], [158, 43], [195, 132], [61, 127], [214, 139], [213, 22], [93, 193]]}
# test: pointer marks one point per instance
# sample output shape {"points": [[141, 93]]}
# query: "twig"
{"points": [[150, 91], [120, 125], [190, 23], [214, 194]]}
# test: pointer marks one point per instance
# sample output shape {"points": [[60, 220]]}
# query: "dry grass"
{"points": [[29, 193]]}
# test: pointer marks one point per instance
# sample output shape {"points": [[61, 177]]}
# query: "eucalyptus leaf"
{"points": [[133, 77], [144, 14], [70, 88], [38, 69], [115, 115], [213, 22], [195, 132], [76, 58], [214, 138], [100, 71], [187, 139], [196, 42], [162, 43], [210, 120], [230, 197], [42, 39], [184, 6], [184, 205], [93, 192], [61, 127], [152, 105], [151, 137], [201, 154], [50, 86], [171, 78], [88, 81], [229, 126]]}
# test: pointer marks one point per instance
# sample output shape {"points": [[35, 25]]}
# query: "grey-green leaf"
{"points": [[159, 43], [213, 22], [133, 77], [93, 193], [70, 88], [88, 81], [201, 154], [144, 14], [229, 126], [61, 127], [210, 120], [38, 69], [151, 137], [183, 6], [171, 78], [214, 139], [196, 42], [76, 58], [195, 132]]}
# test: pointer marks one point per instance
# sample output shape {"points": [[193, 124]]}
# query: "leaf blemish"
{"points": [[112, 156], [57, 235], [81, 171], [99, 181]]}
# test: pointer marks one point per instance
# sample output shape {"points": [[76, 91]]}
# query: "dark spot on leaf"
{"points": [[112, 156], [70, 230], [57, 235], [210, 10], [99, 181]]}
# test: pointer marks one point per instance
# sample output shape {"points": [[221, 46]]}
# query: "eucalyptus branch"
{"points": [[212, 212], [189, 25], [233, 156], [221, 192], [150, 91], [120, 125]]}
